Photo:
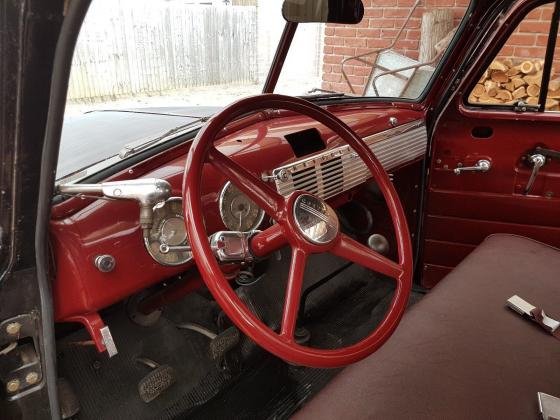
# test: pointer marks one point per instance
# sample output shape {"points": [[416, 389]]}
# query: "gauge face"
{"points": [[168, 230], [239, 213]]}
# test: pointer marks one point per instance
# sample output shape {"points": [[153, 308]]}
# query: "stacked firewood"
{"points": [[508, 82]]}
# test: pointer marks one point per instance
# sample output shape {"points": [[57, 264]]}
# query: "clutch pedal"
{"points": [[156, 382]]}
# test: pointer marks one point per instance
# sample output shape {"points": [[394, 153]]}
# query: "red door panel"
{"points": [[462, 210]]}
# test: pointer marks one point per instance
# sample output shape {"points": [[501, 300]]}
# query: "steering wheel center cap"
{"points": [[315, 219]]}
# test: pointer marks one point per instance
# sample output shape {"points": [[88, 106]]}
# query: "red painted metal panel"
{"points": [[463, 209], [432, 274], [473, 232], [446, 254], [82, 229]]}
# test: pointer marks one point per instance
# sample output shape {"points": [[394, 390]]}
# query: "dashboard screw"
{"points": [[12, 386], [13, 328], [32, 378]]}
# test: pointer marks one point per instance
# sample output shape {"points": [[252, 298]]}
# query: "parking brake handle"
{"points": [[147, 192]]}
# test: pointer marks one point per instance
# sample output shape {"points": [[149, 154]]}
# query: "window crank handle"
{"points": [[482, 165], [538, 162]]}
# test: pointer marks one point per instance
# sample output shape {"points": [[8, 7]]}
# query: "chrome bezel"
{"points": [[227, 185], [334, 171], [155, 256], [334, 219]]}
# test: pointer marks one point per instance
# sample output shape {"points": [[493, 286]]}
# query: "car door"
{"points": [[495, 157]]}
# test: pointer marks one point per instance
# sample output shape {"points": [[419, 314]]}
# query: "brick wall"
{"points": [[384, 18], [530, 38]]}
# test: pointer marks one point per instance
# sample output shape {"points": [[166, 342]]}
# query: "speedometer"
{"points": [[168, 231], [239, 213]]}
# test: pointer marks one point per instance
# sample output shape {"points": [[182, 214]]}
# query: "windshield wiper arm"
{"points": [[139, 146], [318, 93]]}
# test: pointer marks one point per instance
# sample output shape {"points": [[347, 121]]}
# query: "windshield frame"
{"points": [[107, 167]]}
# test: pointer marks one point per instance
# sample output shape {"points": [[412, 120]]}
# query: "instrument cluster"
{"points": [[167, 241]]}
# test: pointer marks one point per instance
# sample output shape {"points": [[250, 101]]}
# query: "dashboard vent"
{"points": [[332, 172]]}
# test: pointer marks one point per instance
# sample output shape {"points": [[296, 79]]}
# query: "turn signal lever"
{"points": [[227, 246], [147, 192]]}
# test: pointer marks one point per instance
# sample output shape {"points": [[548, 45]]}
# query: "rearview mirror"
{"points": [[325, 11]]}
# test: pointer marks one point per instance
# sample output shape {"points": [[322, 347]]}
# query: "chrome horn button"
{"points": [[315, 219]]}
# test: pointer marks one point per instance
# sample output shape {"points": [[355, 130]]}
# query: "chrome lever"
{"points": [[538, 162], [227, 246], [147, 192], [482, 165]]}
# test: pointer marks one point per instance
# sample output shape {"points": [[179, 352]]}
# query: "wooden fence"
{"points": [[153, 47]]}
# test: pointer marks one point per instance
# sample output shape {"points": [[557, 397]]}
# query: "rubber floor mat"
{"points": [[107, 388], [338, 314]]}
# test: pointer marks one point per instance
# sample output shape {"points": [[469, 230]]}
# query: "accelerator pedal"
{"points": [[220, 344], [223, 343], [156, 382]]}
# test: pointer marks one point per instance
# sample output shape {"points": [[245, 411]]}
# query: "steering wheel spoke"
{"points": [[293, 294], [257, 190], [355, 252], [268, 241]]}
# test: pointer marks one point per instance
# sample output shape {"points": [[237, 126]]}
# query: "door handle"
{"points": [[537, 160], [482, 165]]}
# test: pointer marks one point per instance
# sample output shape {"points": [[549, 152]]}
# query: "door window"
{"points": [[516, 73], [553, 92]]}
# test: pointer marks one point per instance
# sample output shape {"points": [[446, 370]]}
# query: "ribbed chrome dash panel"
{"points": [[332, 172]]}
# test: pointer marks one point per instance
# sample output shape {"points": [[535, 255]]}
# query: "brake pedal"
{"points": [[156, 382]]}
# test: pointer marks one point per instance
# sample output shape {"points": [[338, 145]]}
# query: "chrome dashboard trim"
{"points": [[334, 171]]}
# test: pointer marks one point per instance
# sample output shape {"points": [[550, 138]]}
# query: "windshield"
{"points": [[146, 70]]}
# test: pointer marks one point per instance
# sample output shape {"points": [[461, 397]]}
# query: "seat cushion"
{"points": [[460, 353]]}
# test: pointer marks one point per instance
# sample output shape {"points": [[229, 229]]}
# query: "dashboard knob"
{"points": [[105, 263]]}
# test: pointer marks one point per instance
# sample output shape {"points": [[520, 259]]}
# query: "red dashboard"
{"points": [[82, 229]]}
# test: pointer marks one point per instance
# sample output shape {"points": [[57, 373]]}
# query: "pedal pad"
{"points": [[156, 382], [67, 399], [224, 342]]}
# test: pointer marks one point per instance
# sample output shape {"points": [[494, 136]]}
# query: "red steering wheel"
{"points": [[306, 223]]}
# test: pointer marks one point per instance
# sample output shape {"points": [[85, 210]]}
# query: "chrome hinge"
{"points": [[20, 360]]}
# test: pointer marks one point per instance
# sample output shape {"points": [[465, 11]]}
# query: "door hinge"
{"points": [[20, 362]]}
